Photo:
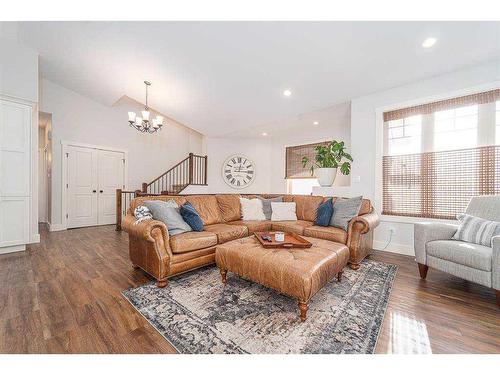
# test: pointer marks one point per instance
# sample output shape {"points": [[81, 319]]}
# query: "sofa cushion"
{"points": [[324, 214], [281, 211], [296, 226], [344, 210], [139, 201], [168, 213], [191, 217], [182, 243], [226, 232], [207, 207], [253, 225], [251, 209], [229, 205], [307, 205], [464, 253], [266, 205], [326, 233]]}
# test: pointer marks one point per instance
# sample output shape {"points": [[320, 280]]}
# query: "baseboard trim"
{"points": [[12, 249], [56, 227], [394, 248]]}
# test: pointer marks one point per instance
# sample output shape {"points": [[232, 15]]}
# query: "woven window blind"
{"points": [[293, 160], [480, 98], [439, 184]]}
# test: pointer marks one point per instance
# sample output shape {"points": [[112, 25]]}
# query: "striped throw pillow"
{"points": [[476, 230]]}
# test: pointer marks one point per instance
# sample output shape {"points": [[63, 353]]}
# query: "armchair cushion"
{"points": [[464, 253], [476, 230]]}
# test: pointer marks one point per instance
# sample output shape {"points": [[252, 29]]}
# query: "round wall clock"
{"points": [[238, 171]]}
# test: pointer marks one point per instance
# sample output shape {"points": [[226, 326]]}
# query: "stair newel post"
{"points": [[144, 187], [118, 209], [191, 165], [206, 170]]}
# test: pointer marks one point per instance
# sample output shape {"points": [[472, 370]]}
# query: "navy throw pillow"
{"points": [[192, 217], [324, 213]]}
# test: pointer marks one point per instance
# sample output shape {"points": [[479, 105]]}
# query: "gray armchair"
{"points": [[435, 248]]}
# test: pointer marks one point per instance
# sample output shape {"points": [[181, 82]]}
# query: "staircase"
{"points": [[190, 171]]}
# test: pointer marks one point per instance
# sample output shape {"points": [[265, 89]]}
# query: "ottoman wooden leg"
{"points": [[339, 276], [303, 310], [223, 274]]}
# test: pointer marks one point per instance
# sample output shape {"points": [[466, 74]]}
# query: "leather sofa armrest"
{"points": [[430, 231], [495, 263], [368, 222], [147, 230]]}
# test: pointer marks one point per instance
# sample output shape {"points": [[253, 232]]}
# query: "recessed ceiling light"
{"points": [[315, 123], [287, 93], [264, 134], [429, 42]]}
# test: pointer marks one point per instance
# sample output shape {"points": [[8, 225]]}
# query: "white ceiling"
{"points": [[219, 77]]}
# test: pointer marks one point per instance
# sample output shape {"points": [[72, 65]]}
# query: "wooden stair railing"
{"points": [[190, 171]]}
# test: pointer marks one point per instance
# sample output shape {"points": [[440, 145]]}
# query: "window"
{"points": [[438, 155], [405, 135], [301, 186], [455, 128], [497, 121]]}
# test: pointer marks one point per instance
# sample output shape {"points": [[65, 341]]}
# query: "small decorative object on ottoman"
{"points": [[298, 273]]}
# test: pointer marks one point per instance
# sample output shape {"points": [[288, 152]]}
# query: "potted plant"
{"points": [[327, 160]]}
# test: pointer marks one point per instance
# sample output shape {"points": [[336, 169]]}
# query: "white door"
{"points": [[93, 177], [111, 177], [15, 172], [82, 187]]}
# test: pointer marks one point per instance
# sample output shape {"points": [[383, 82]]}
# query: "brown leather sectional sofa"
{"points": [[160, 255]]}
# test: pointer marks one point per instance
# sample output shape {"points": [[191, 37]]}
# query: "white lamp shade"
{"points": [[131, 116], [138, 120], [159, 119], [145, 115], [155, 123]]}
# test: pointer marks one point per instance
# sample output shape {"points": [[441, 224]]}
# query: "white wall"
{"points": [[363, 135], [258, 150], [333, 124], [79, 119], [18, 70]]}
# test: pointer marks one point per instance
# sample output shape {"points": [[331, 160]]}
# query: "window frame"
{"points": [[380, 143]]}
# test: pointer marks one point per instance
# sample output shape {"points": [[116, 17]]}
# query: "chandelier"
{"points": [[144, 124]]}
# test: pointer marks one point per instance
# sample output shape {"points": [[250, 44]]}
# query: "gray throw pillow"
{"points": [[266, 205], [168, 213], [344, 210]]}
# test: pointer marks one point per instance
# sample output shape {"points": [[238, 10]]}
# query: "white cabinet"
{"points": [[15, 173]]}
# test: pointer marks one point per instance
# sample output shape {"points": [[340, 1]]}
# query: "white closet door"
{"points": [[82, 199], [111, 177], [15, 173]]}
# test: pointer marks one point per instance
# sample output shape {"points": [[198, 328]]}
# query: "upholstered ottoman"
{"points": [[298, 273]]}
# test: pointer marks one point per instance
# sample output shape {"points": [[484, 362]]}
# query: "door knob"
{"points": [[101, 191], [94, 191]]}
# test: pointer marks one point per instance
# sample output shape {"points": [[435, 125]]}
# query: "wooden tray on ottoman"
{"points": [[291, 240]]}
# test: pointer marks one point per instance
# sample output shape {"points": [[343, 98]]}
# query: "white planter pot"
{"points": [[325, 176]]}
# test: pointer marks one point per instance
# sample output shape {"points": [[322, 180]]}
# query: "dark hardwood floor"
{"points": [[64, 296]]}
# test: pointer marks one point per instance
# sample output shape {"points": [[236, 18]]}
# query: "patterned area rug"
{"points": [[197, 314]]}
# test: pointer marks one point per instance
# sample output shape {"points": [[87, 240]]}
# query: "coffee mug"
{"points": [[279, 237]]}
